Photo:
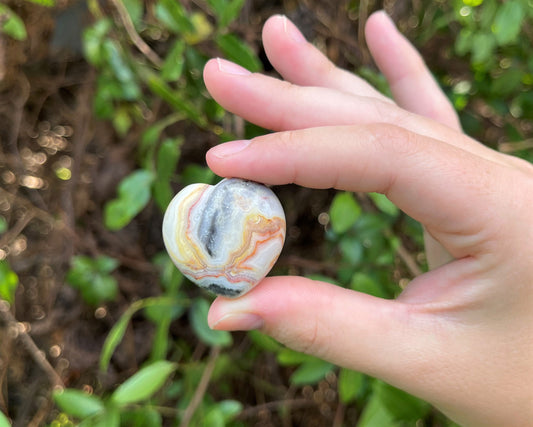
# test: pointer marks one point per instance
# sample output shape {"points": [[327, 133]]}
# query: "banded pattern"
{"points": [[227, 237]]}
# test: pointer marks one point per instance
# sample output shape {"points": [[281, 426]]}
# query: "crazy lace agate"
{"points": [[225, 238]]}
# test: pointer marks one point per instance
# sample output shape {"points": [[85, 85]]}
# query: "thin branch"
{"points": [[275, 405], [405, 256], [201, 389], [36, 212], [37, 354], [135, 38], [14, 232], [511, 147]]}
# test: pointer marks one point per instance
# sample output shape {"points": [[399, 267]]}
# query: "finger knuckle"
{"points": [[395, 139]]}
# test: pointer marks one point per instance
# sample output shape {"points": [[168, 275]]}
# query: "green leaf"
{"points": [[264, 342], [363, 283], [151, 136], [113, 339], [114, 55], [173, 15], [144, 383], [463, 42], [141, 417], [161, 337], [77, 403], [214, 417], [343, 212], [401, 405], [311, 372], [135, 9], [237, 51], [289, 357], [202, 29], [508, 22], [226, 11], [175, 99], [198, 318], [172, 68], [3, 225], [117, 332], [222, 413], [230, 409], [4, 421], [508, 82], [384, 204], [350, 385], [194, 173], [483, 45], [122, 121], [11, 24], [167, 160], [375, 414], [91, 277], [47, 3], [311, 369], [8, 282], [93, 38], [105, 264], [109, 418], [133, 195], [351, 249], [169, 276], [104, 288]]}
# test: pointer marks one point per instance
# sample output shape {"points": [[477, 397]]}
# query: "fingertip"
{"points": [[378, 27], [274, 23], [281, 25], [234, 314], [380, 16], [210, 68]]}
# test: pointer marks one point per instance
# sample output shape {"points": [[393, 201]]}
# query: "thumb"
{"points": [[347, 328]]}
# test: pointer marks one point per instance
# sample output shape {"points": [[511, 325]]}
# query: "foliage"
{"points": [[8, 282], [12, 25], [4, 422], [119, 406], [93, 279], [148, 58], [133, 195], [491, 36], [363, 230]]}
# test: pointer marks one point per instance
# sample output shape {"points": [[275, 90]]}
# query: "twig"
{"points": [[338, 421], [363, 15], [274, 405], [37, 355], [135, 38], [405, 256], [36, 212], [511, 147], [201, 389], [13, 232], [42, 412]]}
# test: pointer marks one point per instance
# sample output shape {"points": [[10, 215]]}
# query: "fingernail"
{"points": [[231, 68], [238, 322], [292, 31], [229, 148]]}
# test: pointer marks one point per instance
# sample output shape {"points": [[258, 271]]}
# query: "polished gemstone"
{"points": [[225, 238]]}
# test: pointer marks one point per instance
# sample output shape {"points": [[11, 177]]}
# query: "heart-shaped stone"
{"points": [[225, 238]]}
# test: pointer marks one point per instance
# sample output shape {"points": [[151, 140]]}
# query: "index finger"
{"points": [[438, 184]]}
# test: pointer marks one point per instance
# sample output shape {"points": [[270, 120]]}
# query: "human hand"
{"points": [[459, 336]]}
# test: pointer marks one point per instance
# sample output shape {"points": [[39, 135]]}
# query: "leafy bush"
{"points": [[148, 58]]}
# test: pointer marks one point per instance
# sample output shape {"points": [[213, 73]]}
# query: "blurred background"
{"points": [[104, 117]]}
